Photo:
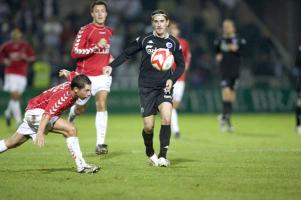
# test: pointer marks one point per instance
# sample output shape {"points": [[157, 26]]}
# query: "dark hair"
{"points": [[98, 2], [160, 12], [80, 81]]}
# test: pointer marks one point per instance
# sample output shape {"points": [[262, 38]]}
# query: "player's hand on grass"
{"points": [[107, 70], [168, 86], [40, 140], [63, 72]]}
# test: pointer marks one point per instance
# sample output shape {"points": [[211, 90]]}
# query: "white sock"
{"points": [[8, 110], [3, 146], [101, 123], [74, 148], [174, 121], [16, 110], [72, 115]]}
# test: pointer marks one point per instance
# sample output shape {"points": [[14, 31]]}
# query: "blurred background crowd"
{"points": [[272, 39]]}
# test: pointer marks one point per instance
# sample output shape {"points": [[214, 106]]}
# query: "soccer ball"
{"points": [[162, 59]]}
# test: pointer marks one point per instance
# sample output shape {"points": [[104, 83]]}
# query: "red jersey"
{"points": [[54, 101], [13, 51], [187, 56], [89, 62]]}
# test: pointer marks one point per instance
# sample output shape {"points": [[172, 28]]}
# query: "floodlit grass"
{"points": [[261, 160]]}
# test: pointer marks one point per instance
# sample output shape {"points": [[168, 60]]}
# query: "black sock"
{"points": [[164, 140], [227, 110], [148, 142], [298, 116]]}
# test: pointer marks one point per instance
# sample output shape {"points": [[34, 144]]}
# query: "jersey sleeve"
{"points": [[179, 60], [3, 53], [242, 46], [72, 75], [127, 53], [80, 48], [30, 53], [216, 44], [56, 103], [187, 55]]}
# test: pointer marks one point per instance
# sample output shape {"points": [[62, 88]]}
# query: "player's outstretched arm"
{"points": [[40, 140]]}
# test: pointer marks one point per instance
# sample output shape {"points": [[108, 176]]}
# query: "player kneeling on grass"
{"points": [[155, 87], [43, 115]]}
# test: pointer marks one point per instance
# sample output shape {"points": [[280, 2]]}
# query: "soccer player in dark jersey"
{"points": [[43, 115], [228, 55], [155, 87], [298, 106]]}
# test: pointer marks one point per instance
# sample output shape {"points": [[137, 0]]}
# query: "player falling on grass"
{"points": [[179, 86], [228, 55], [91, 49], [16, 54], [43, 114], [298, 106], [155, 87]]}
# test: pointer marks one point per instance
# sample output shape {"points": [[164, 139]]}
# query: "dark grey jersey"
{"points": [[148, 75], [231, 61]]}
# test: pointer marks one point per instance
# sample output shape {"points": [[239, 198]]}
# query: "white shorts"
{"points": [[31, 123], [178, 90], [14, 83], [99, 83]]}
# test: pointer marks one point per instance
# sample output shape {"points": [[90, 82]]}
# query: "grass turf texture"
{"points": [[261, 160]]}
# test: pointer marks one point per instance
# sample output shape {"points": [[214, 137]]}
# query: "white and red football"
{"points": [[162, 59]]}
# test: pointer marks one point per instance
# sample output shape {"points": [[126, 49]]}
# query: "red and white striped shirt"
{"points": [[90, 36], [55, 101]]}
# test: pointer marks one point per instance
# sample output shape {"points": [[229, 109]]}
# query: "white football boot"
{"points": [[89, 169], [222, 123], [153, 160], [163, 162], [298, 130]]}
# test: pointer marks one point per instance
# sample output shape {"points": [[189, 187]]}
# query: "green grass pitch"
{"points": [[261, 160]]}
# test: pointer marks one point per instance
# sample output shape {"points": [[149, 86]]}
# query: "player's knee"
{"points": [[15, 96], [148, 128], [71, 131], [101, 105], [165, 120], [228, 96]]}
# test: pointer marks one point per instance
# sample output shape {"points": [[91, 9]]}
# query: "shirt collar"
{"points": [[165, 37]]}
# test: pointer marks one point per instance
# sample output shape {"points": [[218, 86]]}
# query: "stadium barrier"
{"points": [[194, 101]]}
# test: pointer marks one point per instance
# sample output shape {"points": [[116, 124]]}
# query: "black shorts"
{"points": [[229, 82], [151, 98]]}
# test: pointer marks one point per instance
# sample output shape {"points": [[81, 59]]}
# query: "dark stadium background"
{"points": [[271, 27]]}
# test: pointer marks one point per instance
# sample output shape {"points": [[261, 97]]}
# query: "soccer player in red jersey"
{"points": [[43, 114], [16, 54], [91, 49], [179, 86]]}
